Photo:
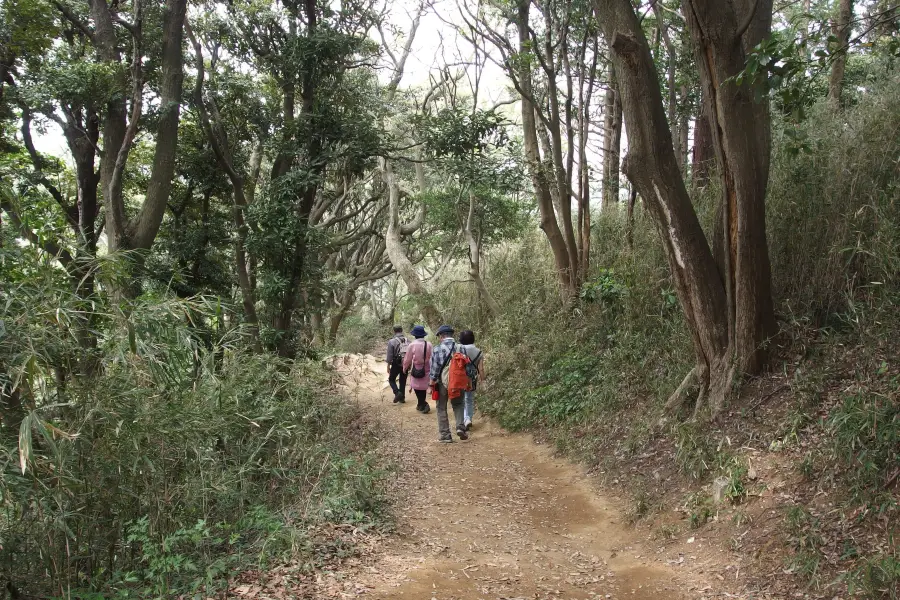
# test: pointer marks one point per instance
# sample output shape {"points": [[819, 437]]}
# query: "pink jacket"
{"points": [[418, 353]]}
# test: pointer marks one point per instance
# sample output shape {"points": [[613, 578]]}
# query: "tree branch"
{"points": [[748, 20], [73, 19]]}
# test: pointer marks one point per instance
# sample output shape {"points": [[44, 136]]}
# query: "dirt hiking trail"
{"points": [[497, 517]]}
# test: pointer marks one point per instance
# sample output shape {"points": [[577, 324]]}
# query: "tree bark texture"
{"points": [[703, 155], [841, 30], [652, 167], [741, 131]]}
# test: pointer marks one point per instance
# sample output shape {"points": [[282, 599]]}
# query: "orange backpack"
{"points": [[458, 380]]}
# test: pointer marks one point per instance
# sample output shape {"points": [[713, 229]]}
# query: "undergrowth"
{"points": [[173, 459]]}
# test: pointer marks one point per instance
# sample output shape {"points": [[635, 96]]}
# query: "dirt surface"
{"points": [[498, 517]]}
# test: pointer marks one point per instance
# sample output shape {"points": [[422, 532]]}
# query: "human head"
{"points": [[444, 331], [466, 337], [418, 332], [398, 328]]}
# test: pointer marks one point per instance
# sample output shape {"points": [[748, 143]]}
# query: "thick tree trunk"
{"points": [[841, 31], [652, 167], [114, 126], [741, 137]]}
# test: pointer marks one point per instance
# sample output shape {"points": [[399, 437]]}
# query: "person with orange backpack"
{"points": [[449, 382]]}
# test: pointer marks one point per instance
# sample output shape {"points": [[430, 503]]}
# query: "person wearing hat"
{"points": [[440, 358], [396, 349], [415, 365]]}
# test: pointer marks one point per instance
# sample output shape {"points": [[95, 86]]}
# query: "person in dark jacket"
{"points": [[396, 351]]}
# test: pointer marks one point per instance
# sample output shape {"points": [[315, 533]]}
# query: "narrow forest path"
{"points": [[498, 517]]}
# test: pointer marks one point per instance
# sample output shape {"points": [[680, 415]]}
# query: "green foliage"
{"points": [[696, 453], [463, 135], [865, 434], [832, 215], [877, 577], [180, 460], [604, 288], [804, 535]]}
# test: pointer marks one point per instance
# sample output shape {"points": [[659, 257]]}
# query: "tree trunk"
{"points": [[629, 219], [397, 253], [475, 261], [615, 156], [143, 230], [215, 133], [703, 155], [683, 133], [548, 222], [612, 142], [841, 30], [343, 309], [741, 131], [652, 167]]}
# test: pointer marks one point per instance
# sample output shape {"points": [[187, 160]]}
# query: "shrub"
{"points": [[180, 459]]}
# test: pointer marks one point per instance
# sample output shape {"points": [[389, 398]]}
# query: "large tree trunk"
{"points": [[722, 34], [841, 31], [652, 167], [119, 133]]}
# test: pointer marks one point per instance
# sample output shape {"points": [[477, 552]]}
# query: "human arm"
{"points": [[391, 351], [435, 364]]}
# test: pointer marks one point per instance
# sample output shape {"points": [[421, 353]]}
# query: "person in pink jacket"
{"points": [[415, 364]]}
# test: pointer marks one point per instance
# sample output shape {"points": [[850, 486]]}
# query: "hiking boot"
{"points": [[419, 407], [448, 440], [468, 425], [426, 409], [462, 434]]}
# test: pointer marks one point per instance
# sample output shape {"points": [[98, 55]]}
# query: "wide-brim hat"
{"points": [[418, 332], [445, 329]]}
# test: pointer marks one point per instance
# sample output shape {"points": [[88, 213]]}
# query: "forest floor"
{"points": [[499, 517]]}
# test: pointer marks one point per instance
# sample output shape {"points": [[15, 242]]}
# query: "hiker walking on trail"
{"points": [[476, 373], [416, 365], [445, 381], [397, 347]]}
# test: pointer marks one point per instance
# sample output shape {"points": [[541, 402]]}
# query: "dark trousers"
{"points": [[421, 397], [397, 371]]}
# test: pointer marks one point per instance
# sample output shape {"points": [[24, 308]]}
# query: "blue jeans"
{"points": [[470, 406]]}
